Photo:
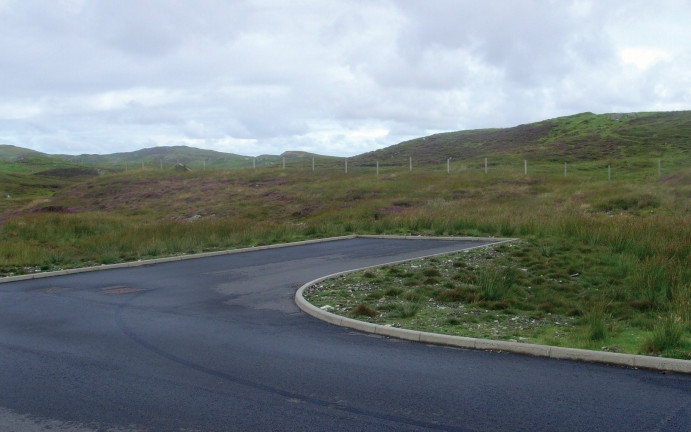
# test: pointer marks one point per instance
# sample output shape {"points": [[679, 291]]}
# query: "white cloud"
{"points": [[329, 76], [643, 57]]}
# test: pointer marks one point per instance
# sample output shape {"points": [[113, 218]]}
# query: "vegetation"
{"points": [[602, 261], [537, 290], [164, 158], [581, 137]]}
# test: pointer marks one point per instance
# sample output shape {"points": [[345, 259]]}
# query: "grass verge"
{"points": [[499, 292]]}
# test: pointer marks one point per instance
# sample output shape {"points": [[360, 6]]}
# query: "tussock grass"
{"points": [[495, 283], [667, 336], [363, 310]]}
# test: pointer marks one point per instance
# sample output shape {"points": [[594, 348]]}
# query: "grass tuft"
{"points": [[363, 310], [495, 283], [665, 337]]}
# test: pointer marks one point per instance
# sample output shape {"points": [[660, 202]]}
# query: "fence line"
{"points": [[467, 165]]}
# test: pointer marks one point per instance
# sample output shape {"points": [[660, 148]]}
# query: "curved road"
{"points": [[217, 344]]}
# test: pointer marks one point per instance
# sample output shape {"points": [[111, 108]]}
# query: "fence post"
{"points": [[609, 172], [284, 163], [312, 163], [564, 169], [659, 167], [346, 165], [410, 163], [485, 165], [448, 165], [525, 167], [161, 164], [254, 163], [377, 168]]}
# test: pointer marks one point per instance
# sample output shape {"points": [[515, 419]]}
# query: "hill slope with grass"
{"points": [[576, 138], [10, 153], [164, 157], [581, 137]]}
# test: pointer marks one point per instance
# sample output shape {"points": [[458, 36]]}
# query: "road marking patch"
{"points": [[49, 290], [120, 289]]}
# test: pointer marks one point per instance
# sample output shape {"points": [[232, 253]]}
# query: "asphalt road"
{"points": [[217, 344]]}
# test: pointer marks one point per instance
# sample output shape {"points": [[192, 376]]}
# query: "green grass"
{"points": [[575, 139], [588, 275], [543, 303]]}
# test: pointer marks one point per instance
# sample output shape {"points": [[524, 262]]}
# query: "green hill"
{"points": [[10, 153], [167, 157], [163, 157], [581, 137]]}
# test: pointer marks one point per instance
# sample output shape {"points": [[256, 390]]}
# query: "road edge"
{"points": [[139, 263], [634, 361], [181, 257]]}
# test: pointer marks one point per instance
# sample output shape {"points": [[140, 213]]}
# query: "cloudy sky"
{"points": [[328, 76]]}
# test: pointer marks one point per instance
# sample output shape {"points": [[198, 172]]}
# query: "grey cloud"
{"points": [[325, 75], [529, 41]]}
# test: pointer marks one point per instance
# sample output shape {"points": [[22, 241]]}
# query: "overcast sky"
{"points": [[326, 76]]}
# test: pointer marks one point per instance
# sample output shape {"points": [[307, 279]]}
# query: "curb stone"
{"points": [[174, 258], [152, 261]]}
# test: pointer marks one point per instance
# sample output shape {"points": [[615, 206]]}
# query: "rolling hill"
{"points": [[585, 136], [10, 153], [167, 156], [580, 137]]}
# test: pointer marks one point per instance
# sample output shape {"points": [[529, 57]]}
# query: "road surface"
{"points": [[218, 344]]}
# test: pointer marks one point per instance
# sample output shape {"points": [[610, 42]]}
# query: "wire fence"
{"points": [[610, 170]]}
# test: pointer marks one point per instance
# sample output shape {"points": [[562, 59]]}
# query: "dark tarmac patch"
{"points": [[119, 289]]}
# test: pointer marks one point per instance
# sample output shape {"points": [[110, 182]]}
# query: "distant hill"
{"points": [[10, 153], [579, 137], [20, 160], [585, 136], [194, 158], [166, 155]]}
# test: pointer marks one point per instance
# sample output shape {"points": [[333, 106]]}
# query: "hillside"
{"points": [[589, 143], [581, 137], [168, 156], [10, 153], [161, 156]]}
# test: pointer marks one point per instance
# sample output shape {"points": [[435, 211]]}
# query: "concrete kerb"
{"points": [[174, 258], [152, 261], [573, 354]]}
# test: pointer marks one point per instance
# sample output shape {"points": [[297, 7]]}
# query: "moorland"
{"points": [[600, 205]]}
